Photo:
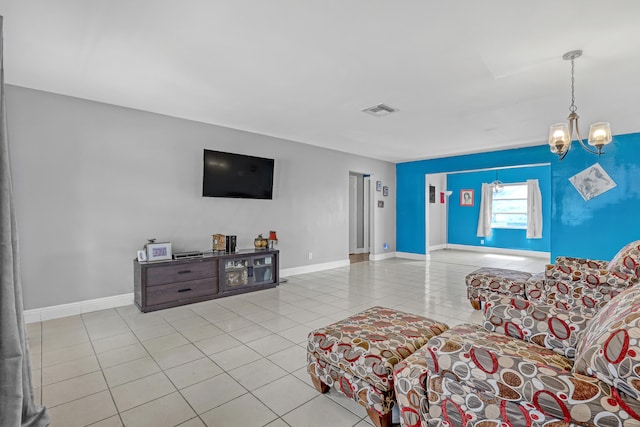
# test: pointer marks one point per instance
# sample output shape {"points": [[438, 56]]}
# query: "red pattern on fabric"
{"points": [[623, 350], [445, 412], [494, 361], [561, 405], [505, 416], [624, 405]]}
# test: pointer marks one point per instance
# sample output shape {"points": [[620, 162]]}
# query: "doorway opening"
{"points": [[359, 216]]}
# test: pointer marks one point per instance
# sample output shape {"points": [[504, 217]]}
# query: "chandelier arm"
{"points": [[584, 146]]}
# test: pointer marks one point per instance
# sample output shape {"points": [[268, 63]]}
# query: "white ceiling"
{"points": [[466, 75]]}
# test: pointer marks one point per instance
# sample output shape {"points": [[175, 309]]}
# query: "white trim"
{"points": [[286, 272], [410, 255], [438, 247], [532, 165], [360, 251], [381, 256], [489, 249], [80, 307]]}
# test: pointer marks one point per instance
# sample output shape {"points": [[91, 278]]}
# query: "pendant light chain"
{"points": [[573, 107]]}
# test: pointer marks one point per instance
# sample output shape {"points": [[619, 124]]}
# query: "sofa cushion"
{"points": [[609, 349]]}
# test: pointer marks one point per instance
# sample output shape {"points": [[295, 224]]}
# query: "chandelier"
{"points": [[561, 134], [498, 185]]}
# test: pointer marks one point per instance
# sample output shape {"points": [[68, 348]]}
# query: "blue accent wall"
{"points": [[596, 228], [463, 220]]}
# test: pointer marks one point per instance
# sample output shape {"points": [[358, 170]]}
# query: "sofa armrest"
{"points": [[580, 263], [518, 382], [541, 324], [410, 381]]}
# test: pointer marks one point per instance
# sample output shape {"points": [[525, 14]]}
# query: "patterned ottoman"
{"points": [[499, 280], [356, 356]]}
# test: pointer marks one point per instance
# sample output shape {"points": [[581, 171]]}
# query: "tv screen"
{"points": [[237, 176]]}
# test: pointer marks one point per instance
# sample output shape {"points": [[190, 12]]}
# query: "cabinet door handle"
{"points": [[184, 290], [184, 271]]}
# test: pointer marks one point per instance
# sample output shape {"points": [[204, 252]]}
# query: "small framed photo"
{"points": [[385, 191], [378, 185], [380, 204], [466, 197], [158, 251], [142, 256]]}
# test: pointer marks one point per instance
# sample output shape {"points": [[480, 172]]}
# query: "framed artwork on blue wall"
{"points": [[466, 197]]}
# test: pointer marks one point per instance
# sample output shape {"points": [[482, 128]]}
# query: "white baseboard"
{"points": [[380, 257], [437, 247], [80, 307], [285, 272], [489, 249], [410, 255]]}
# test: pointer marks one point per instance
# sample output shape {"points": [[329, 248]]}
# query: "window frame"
{"points": [[509, 227]]}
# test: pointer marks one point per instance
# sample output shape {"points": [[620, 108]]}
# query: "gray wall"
{"points": [[93, 181]]}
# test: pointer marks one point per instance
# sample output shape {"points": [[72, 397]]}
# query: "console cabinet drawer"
{"points": [[182, 291], [185, 272]]}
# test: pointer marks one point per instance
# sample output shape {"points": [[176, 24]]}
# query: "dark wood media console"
{"points": [[164, 284]]}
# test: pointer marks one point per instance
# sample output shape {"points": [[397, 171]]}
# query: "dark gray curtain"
{"points": [[17, 407]]}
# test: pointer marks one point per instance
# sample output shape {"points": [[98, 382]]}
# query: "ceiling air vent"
{"points": [[380, 110]]}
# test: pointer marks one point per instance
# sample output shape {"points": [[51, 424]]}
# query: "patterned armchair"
{"points": [[570, 283], [586, 373], [587, 284]]}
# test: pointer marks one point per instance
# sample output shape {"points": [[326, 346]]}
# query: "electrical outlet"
{"points": [[482, 242], [310, 256]]}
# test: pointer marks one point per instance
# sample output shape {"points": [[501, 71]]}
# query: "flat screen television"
{"points": [[237, 176]]}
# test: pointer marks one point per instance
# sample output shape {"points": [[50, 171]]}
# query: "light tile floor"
{"points": [[239, 360]]}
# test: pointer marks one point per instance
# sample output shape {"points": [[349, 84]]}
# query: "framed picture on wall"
{"points": [[378, 185], [466, 197], [432, 194]]}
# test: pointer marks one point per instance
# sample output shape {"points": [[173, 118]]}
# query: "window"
{"points": [[509, 207]]}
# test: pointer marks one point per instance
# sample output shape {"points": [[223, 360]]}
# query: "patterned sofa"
{"points": [[570, 283], [564, 368]]}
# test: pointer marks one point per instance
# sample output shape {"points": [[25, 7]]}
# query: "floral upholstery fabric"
{"points": [[609, 349], [586, 288], [581, 263], [410, 382], [357, 355], [591, 284], [479, 378], [486, 281], [541, 324], [627, 259], [352, 386], [535, 289]]}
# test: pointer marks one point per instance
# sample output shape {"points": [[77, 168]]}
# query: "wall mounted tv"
{"points": [[237, 176]]}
